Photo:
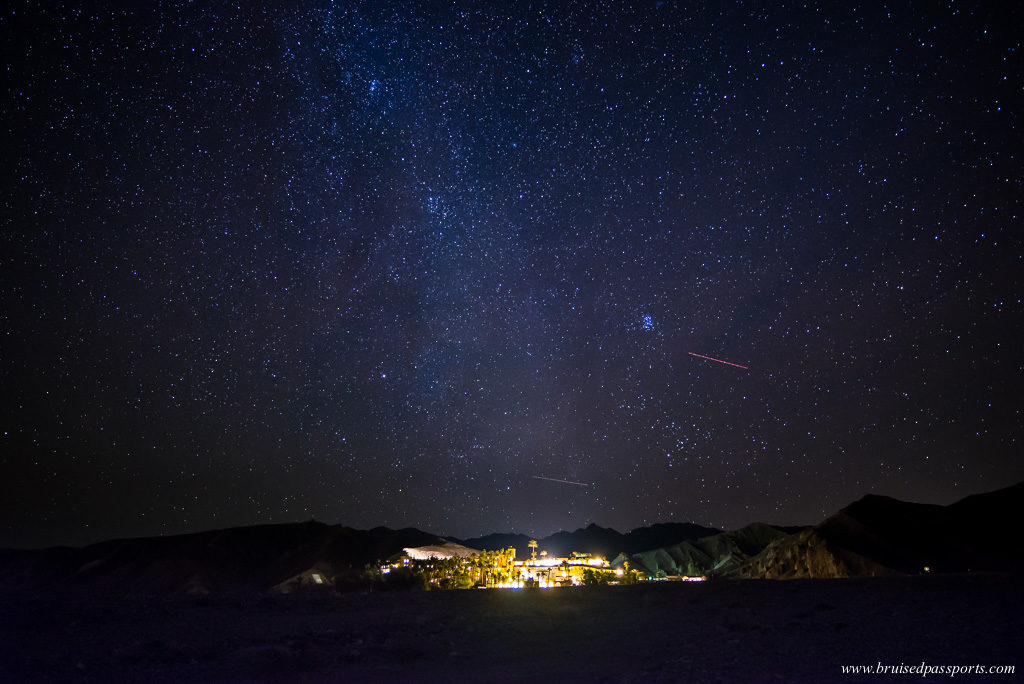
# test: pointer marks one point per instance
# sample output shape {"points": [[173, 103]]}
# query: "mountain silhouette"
{"points": [[879, 535], [594, 539], [252, 558], [873, 536]]}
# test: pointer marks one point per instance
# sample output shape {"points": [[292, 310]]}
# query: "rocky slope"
{"points": [[714, 555], [878, 535]]}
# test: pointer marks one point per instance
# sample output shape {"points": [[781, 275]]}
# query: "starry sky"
{"points": [[393, 263]]}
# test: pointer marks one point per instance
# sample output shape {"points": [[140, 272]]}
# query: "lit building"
{"points": [[547, 571]]}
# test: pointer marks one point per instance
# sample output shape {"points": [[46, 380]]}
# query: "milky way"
{"points": [[416, 265]]}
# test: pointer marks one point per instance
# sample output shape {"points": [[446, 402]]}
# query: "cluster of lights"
{"points": [[544, 579]]}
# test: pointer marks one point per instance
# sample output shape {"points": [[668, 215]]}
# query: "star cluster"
{"points": [[386, 263]]}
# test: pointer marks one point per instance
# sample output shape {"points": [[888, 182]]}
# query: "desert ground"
{"points": [[722, 631]]}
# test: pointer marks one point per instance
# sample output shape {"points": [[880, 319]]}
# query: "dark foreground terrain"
{"points": [[776, 631]]}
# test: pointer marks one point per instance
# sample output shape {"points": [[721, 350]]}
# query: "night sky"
{"points": [[392, 263]]}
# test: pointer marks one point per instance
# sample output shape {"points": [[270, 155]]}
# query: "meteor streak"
{"points": [[551, 479], [709, 358]]}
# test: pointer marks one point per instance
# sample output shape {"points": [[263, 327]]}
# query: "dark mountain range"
{"points": [[239, 559], [878, 535], [600, 541], [261, 557]]}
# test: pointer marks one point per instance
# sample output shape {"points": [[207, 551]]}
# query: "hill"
{"points": [[253, 558], [879, 535], [717, 554]]}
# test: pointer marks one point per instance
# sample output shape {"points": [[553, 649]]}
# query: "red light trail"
{"points": [[710, 358]]}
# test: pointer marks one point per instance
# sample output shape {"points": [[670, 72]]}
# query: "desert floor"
{"points": [[774, 631]]}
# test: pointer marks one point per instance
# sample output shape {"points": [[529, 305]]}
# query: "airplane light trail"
{"points": [[709, 358], [551, 479]]}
